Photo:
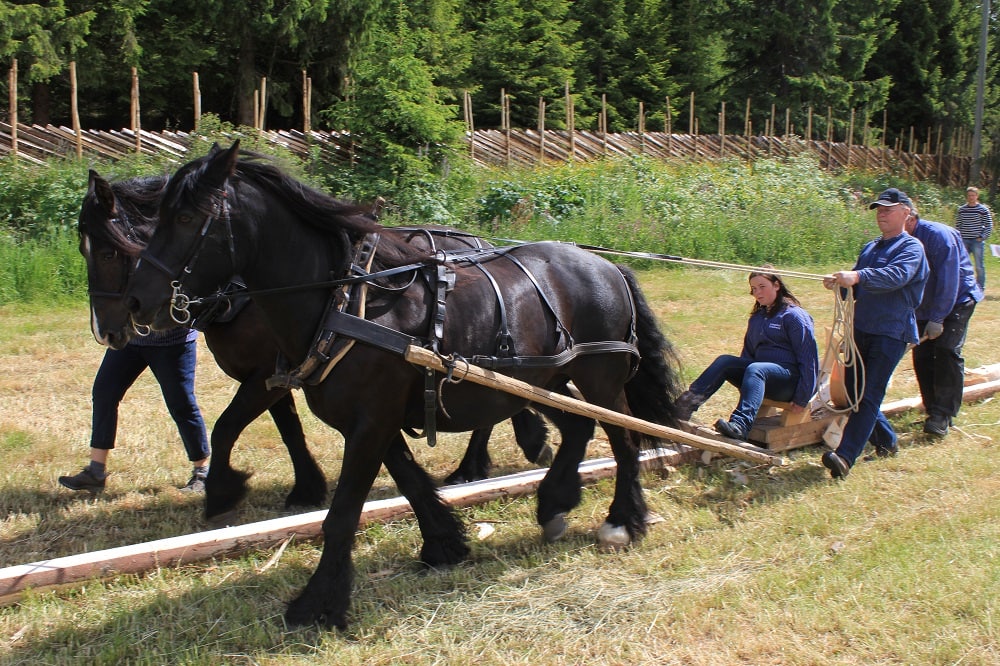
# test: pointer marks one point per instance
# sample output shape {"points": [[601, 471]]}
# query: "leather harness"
{"points": [[344, 324]]}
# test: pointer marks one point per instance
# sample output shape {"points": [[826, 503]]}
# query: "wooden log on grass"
{"points": [[72, 570]]}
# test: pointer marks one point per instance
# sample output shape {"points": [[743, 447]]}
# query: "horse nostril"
{"points": [[132, 303]]}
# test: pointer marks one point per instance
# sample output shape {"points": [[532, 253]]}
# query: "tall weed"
{"points": [[45, 268], [788, 212]]}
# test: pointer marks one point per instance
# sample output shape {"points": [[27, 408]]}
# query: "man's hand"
{"points": [[933, 329], [841, 279]]}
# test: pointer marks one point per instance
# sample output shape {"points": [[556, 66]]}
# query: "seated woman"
{"points": [[779, 361]]}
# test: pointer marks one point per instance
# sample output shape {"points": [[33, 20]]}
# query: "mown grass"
{"points": [[896, 565]]}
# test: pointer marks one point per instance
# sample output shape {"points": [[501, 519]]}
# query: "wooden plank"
{"points": [[475, 374], [174, 551], [779, 437]]}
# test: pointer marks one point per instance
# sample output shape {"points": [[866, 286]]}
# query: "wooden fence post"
{"points": [[642, 129], [541, 130], [306, 105], [74, 110], [196, 94], [12, 95], [571, 124], [135, 110], [668, 120], [469, 124], [263, 103], [602, 124], [691, 116], [722, 131], [505, 123]]}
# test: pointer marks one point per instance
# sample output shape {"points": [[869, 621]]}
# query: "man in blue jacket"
{"points": [[888, 283], [950, 298]]}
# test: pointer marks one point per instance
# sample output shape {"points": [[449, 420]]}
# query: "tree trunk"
{"points": [[246, 80], [41, 103]]}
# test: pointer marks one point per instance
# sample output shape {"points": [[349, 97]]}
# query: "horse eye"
{"points": [[184, 218], [108, 255]]}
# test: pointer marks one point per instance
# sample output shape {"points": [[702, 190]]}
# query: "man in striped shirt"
{"points": [[975, 223]]}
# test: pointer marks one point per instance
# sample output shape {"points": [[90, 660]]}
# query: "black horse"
{"points": [[546, 313], [115, 222]]}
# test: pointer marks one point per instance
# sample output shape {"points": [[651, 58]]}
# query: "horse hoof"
{"points": [[611, 538], [555, 528], [224, 519], [545, 456]]}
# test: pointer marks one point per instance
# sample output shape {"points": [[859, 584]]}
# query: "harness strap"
{"points": [[556, 360], [324, 353], [505, 341]]}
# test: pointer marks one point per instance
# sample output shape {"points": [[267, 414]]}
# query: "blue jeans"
{"points": [[977, 250], [880, 355], [755, 381], [173, 366]]}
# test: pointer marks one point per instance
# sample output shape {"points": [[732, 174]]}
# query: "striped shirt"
{"points": [[974, 222]]}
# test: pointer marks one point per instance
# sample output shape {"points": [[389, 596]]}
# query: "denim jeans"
{"points": [[976, 250], [173, 366], [754, 380], [939, 365], [880, 354]]}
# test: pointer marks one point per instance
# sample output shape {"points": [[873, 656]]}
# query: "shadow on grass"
{"points": [[242, 614]]}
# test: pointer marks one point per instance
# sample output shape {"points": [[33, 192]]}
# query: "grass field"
{"points": [[899, 564]]}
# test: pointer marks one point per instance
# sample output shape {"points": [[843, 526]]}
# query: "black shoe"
{"points": [[886, 451], [838, 467], [727, 429], [196, 484], [936, 425], [85, 480], [687, 404]]}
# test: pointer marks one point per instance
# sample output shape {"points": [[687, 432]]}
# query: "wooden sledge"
{"points": [[777, 428]]}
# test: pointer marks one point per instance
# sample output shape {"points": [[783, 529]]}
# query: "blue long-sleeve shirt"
{"points": [[891, 277], [788, 339], [173, 336], [952, 281]]}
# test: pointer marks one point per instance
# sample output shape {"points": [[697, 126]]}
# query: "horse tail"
{"points": [[653, 390]]}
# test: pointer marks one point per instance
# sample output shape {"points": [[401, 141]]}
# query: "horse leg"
{"points": [[559, 492], [442, 531], [226, 487], [310, 483], [327, 596], [531, 432], [476, 462], [626, 521]]}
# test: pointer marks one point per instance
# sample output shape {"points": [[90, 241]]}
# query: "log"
{"points": [[174, 551], [477, 375], [972, 392]]}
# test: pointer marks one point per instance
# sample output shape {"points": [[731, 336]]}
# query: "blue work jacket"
{"points": [[891, 277]]}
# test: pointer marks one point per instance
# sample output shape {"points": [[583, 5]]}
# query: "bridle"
{"points": [[128, 269], [180, 302]]}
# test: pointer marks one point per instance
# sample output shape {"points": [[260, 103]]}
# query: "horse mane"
{"points": [[313, 206], [136, 204]]}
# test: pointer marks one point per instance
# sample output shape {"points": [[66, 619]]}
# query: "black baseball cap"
{"points": [[891, 197]]}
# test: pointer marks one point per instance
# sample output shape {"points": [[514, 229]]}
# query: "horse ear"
{"points": [[102, 191], [214, 149], [222, 164]]}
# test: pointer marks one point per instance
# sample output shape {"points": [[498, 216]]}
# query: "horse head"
{"points": [[113, 224], [192, 252]]}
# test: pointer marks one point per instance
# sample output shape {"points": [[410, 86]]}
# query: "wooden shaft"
{"points": [[477, 375]]}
